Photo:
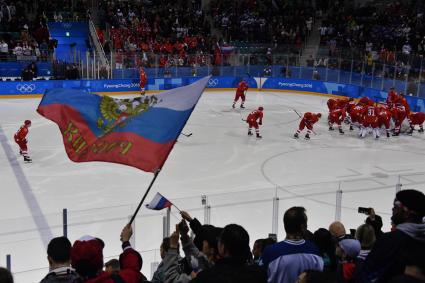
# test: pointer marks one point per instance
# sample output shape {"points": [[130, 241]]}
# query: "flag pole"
{"points": [[144, 196], [176, 207]]}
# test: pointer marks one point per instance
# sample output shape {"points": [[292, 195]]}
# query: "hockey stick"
{"points": [[186, 135], [306, 122]]}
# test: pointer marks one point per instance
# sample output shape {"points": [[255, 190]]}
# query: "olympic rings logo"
{"points": [[25, 88], [67, 25], [212, 82]]}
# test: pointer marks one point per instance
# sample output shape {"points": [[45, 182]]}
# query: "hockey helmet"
{"points": [[319, 115], [261, 108], [27, 122]]}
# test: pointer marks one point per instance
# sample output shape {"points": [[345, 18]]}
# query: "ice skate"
{"points": [[258, 136], [296, 136], [351, 127], [341, 131], [421, 130], [233, 106], [27, 159], [242, 107], [20, 152], [388, 135], [307, 137], [396, 134], [331, 128], [249, 133], [410, 132]]}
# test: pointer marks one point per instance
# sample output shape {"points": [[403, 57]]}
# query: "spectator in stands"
{"points": [[4, 50], [112, 266], [27, 74], [159, 274], [385, 260], [18, 51], [87, 259], [259, 246], [376, 222], [337, 230], [286, 260], [232, 266], [33, 68], [59, 257], [323, 240], [199, 259], [365, 234], [347, 251]]}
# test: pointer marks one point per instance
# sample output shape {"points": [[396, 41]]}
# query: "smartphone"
{"points": [[364, 210]]}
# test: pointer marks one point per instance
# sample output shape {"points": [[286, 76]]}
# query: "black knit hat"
{"points": [[413, 200]]}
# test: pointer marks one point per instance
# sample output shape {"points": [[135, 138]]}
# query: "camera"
{"points": [[364, 210]]}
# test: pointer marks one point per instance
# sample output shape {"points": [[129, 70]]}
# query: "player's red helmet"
{"points": [[261, 108], [319, 115], [27, 122]]}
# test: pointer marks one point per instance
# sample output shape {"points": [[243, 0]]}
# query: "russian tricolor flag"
{"points": [[139, 132], [159, 202]]}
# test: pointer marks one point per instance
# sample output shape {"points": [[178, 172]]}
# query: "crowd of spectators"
{"points": [[387, 32], [23, 32], [173, 29], [280, 22], [223, 255]]}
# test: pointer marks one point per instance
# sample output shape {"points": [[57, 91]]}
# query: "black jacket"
{"points": [[232, 270], [385, 260]]}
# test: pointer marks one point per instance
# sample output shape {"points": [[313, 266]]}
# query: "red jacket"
{"points": [[242, 86], [143, 78], [22, 133], [131, 263], [255, 115], [310, 118]]}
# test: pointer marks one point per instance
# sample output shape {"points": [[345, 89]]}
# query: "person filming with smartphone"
{"points": [[373, 220]]}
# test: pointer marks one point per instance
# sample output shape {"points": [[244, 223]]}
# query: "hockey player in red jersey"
{"points": [[399, 114], [391, 97], [356, 115], [337, 103], [416, 118], [365, 101], [370, 119], [252, 121], [384, 118], [401, 99], [21, 139], [240, 93], [308, 120], [143, 80], [336, 116]]}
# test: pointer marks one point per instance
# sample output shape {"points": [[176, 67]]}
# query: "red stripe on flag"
{"points": [[82, 145]]}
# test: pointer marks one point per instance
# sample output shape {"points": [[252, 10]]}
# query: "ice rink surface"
{"points": [[240, 175]]}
